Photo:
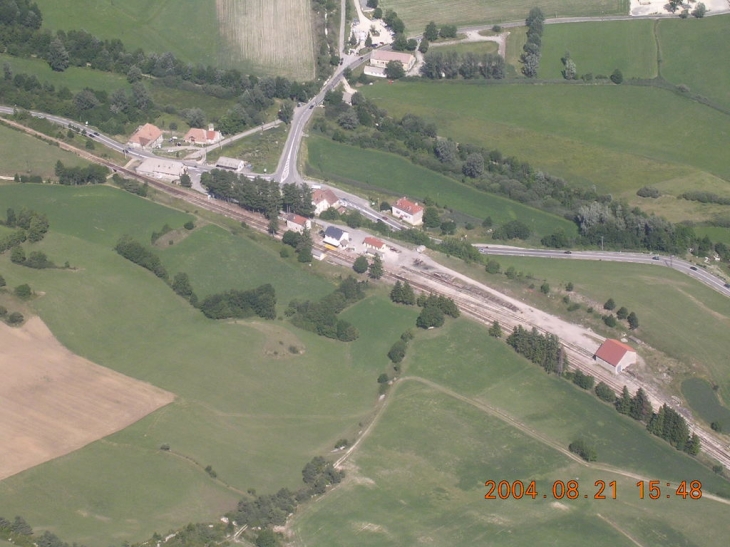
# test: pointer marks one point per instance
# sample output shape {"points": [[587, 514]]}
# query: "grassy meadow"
{"points": [[246, 405], [417, 13], [619, 138], [599, 48], [468, 47], [26, 155], [375, 170], [678, 316], [261, 150], [419, 476], [703, 400], [187, 28]]}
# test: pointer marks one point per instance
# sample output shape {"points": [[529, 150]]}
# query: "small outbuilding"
{"points": [[336, 237], [232, 164], [615, 355]]}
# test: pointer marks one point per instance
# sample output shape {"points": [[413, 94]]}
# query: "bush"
{"points": [[609, 305], [648, 192], [545, 288], [569, 287], [189, 225], [492, 267], [383, 379], [584, 450], [15, 318], [605, 393], [284, 253], [609, 320], [17, 255], [617, 77], [397, 352], [23, 291]]}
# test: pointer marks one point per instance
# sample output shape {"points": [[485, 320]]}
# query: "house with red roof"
{"points": [[374, 246], [297, 223], [197, 135], [146, 136], [408, 211], [323, 200], [615, 355]]}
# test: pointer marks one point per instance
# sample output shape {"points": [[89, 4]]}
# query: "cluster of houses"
{"points": [[149, 136], [379, 59]]}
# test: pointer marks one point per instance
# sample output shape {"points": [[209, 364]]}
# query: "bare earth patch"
{"points": [[53, 402]]}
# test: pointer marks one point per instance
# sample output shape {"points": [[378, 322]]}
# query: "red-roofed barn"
{"points": [[615, 355]]}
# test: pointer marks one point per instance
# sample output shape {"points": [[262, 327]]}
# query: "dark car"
{"points": [[727, 285], [568, 252], [693, 268], [655, 258], [311, 106]]}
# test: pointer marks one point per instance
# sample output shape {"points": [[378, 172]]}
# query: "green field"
{"points": [[619, 138], [245, 404], [715, 233], [469, 47], [599, 48], [704, 402], [261, 150], [678, 316], [188, 28], [26, 155], [693, 50], [371, 169], [417, 13], [419, 476]]}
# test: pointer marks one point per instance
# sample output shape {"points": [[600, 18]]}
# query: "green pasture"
{"points": [[715, 233], [468, 47], [246, 405], [74, 78], [703, 400], [599, 48], [678, 316], [693, 51], [187, 28], [417, 13], [398, 176], [261, 150], [26, 155], [419, 478], [619, 138]]}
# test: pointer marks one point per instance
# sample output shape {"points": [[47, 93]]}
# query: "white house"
{"points": [[162, 169], [408, 211], [146, 136], [323, 200], [297, 223], [336, 237], [230, 163], [374, 246], [381, 58], [615, 355]]}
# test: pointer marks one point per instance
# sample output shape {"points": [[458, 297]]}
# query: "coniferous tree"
{"points": [[623, 403]]}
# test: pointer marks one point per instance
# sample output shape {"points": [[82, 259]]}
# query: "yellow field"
{"points": [[275, 36]]}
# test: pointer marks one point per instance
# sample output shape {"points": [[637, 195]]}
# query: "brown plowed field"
{"points": [[53, 402]]}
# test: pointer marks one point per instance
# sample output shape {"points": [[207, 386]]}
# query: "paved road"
{"points": [[675, 263]]}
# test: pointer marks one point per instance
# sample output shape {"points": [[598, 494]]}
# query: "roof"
{"points": [[374, 242], [612, 351], [162, 167], [230, 163], [197, 134], [334, 233], [408, 206], [296, 219], [320, 195], [382, 55], [146, 134]]}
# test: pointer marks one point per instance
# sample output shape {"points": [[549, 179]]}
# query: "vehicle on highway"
{"points": [[311, 106], [727, 285], [655, 258], [694, 268], [568, 252]]}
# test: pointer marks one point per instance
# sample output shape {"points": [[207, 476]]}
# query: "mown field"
{"points": [[678, 316], [246, 405], [599, 48], [469, 47], [619, 138], [375, 170], [419, 476], [26, 155], [417, 13]]}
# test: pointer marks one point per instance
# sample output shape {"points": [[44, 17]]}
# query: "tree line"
{"points": [[74, 176], [321, 316], [542, 349], [450, 65]]}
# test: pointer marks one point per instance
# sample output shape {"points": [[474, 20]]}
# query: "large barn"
{"points": [[615, 355]]}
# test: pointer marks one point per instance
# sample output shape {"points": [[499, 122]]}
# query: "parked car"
{"points": [[655, 258]]}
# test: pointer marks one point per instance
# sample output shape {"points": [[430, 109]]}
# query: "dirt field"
{"points": [[275, 35], [53, 402]]}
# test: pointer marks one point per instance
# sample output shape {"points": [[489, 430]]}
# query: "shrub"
{"points": [[397, 352], [545, 288], [609, 320], [342, 443], [609, 305], [23, 291], [648, 192], [569, 287], [383, 379], [189, 225], [584, 450], [492, 267], [15, 318], [617, 77], [605, 393]]}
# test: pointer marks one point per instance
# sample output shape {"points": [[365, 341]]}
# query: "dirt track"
{"points": [[53, 402]]}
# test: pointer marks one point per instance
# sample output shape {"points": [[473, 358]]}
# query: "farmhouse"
{"points": [[379, 59], [297, 223], [374, 246], [146, 136], [162, 169], [323, 200], [230, 163], [334, 237], [197, 135], [615, 355], [410, 212]]}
